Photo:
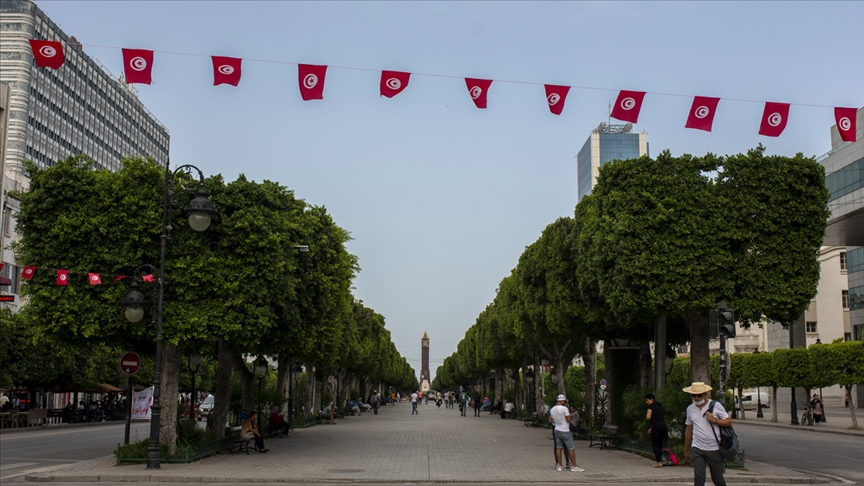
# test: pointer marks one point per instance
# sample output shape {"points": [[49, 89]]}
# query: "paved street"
{"points": [[32, 449], [395, 447]]}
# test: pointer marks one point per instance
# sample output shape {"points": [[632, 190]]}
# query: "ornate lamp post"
{"points": [[296, 370], [529, 378], [194, 363], [200, 211], [261, 369]]}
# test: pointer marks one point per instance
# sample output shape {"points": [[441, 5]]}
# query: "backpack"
{"points": [[728, 440], [668, 458]]}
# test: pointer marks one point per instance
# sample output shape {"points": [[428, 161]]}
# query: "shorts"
{"points": [[563, 439]]}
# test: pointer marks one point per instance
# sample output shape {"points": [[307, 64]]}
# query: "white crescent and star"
{"points": [[138, 63]]}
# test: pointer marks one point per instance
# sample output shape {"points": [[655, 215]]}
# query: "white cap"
{"points": [[562, 398]]}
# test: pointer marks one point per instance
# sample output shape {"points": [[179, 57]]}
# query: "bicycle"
{"points": [[806, 417]]}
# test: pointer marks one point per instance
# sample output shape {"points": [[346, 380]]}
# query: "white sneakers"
{"points": [[558, 468], [572, 468]]}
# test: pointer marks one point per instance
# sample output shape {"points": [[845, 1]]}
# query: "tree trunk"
{"points": [[741, 403], [539, 384], [168, 393], [247, 382], [590, 382], [700, 356], [645, 368], [517, 386], [852, 407], [315, 394], [283, 374], [774, 404], [222, 393]]}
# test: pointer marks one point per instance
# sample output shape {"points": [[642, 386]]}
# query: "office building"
{"points": [[606, 142], [80, 108]]}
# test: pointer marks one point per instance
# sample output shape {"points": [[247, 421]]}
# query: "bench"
{"points": [[239, 442], [605, 438]]}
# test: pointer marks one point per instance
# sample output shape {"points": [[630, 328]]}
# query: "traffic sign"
{"points": [[130, 363]]}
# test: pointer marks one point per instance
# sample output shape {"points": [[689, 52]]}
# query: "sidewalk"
{"points": [[838, 421], [394, 447]]}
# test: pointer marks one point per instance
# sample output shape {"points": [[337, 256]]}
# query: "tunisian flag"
{"points": [[226, 70], [311, 79], [702, 113], [477, 88], [47, 53], [28, 273], [845, 118], [774, 119], [138, 65], [627, 106], [555, 97], [94, 279], [393, 82], [62, 277]]}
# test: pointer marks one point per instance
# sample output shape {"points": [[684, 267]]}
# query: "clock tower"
{"points": [[425, 380]]}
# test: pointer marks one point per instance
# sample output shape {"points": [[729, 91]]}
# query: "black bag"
{"points": [[728, 440]]}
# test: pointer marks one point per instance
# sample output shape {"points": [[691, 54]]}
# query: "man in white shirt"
{"points": [[414, 397], [701, 439], [560, 417]]}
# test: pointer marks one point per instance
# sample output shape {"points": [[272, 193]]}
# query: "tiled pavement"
{"points": [[395, 447]]}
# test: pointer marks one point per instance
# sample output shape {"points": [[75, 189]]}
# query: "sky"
{"points": [[440, 197]]}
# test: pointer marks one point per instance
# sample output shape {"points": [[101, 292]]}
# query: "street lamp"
{"points": [[194, 363], [758, 398], [529, 378], [296, 370], [200, 211], [261, 369]]}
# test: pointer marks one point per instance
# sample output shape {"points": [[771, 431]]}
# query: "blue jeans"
{"points": [[414, 408]]}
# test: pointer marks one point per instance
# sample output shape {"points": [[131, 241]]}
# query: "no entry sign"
{"points": [[130, 363]]}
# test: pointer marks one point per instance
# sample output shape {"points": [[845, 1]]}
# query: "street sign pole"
{"points": [[130, 363]]}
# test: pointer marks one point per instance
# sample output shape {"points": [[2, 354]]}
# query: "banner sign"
{"points": [[141, 402]]}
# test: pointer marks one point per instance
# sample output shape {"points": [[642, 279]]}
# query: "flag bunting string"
{"points": [[62, 278], [138, 68]]}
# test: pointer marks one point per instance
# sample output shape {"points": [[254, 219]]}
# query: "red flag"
{"points": [[2, 265], [702, 113], [477, 88], [774, 119], [119, 278], [555, 97], [627, 106], [138, 65], [226, 70], [148, 278], [28, 273], [311, 79], [62, 277], [393, 82], [94, 279], [47, 53], [845, 118]]}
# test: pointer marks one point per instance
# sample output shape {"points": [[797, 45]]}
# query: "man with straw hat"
{"points": [[700, 438]]}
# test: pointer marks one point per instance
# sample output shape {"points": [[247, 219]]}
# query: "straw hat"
{"points": [[697, 388]]}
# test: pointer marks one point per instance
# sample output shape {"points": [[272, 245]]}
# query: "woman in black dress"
{"points": [[658, 431]]}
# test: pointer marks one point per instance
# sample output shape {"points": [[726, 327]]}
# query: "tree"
{"points": [[841, 363]]}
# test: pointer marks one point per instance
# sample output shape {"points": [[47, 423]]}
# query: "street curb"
{"points": [[21, 430], [568, 479], [814, 428]]}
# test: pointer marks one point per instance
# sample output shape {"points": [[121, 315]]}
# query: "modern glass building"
{"points": [[52, 114], [607, 142]]}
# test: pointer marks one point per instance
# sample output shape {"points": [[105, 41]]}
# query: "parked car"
{"points": [[749, 400], [205, 407]]}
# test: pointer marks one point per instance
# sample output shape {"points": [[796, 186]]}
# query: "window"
{"points": [[845, 294], [811, 327], [847, 336], [842, 260]]}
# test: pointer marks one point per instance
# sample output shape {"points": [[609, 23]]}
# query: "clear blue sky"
{"points": [[441, 197]]}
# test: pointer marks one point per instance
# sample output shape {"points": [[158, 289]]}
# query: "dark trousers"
{"points": [[375, 407], [259, 442], [476, 412], [715, 463], [462, 407], [658, 440]]}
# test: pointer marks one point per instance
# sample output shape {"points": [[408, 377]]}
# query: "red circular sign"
{"points": [[130, 363]]}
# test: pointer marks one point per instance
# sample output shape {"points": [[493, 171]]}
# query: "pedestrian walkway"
{"points": [[838, 421], [438, 445]]}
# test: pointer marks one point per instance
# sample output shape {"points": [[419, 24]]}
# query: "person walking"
{"points": [[701, 446], [463, 402], [657, 428], [477, 404], [816, 406], [376, 401], [560, 417], [414, 398]]}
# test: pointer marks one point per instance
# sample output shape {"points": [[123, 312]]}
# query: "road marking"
{"points": [[18, 464]]}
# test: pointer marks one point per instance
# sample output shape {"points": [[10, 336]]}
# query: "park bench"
{"points": [[237, 441], [605, 438]]}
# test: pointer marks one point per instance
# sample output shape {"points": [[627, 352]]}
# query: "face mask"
{"points": [[699, 403]]}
